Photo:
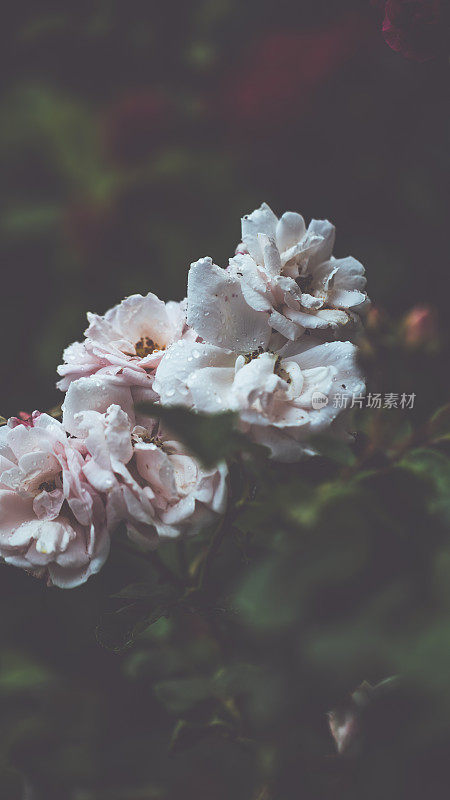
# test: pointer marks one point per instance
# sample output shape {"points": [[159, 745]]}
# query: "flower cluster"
{"points": [[52, 522], [260, 337]]}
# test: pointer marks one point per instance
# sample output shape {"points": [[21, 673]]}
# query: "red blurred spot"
{"points": [[279, 74], [420, 326], [136, 124]]}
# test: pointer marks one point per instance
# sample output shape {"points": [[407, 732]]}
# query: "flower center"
{"points": [[146, 437], [304, 282], [145, 346], [278, 370], [47, 486], [254, 354]]}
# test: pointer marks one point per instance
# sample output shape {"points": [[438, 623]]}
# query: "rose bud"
{"points": [[359, 720], [345, 726], [375, 319], [420, 326]]}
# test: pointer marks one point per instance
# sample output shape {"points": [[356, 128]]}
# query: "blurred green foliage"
{"points": [[206, 671]]}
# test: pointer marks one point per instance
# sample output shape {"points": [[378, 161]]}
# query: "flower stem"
{"points": [[164, 572], [211, 552], [153, 557], [182, 558]]}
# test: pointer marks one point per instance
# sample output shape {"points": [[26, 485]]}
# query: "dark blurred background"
{"points": [[133, 136]]}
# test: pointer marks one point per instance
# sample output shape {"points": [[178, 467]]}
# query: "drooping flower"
{"points": [[283, 397], [127, 343], [417, 29], [285, 273], [51, 520], [149, 480]]}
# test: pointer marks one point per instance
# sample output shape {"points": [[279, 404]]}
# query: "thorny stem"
{"points": [[200, 574]]}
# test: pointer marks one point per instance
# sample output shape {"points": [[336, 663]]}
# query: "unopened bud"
{"points": [[420, 326]]}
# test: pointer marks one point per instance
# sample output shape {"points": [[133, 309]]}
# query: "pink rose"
{"points": [[127, 343], [51, 520], [149, 480]]}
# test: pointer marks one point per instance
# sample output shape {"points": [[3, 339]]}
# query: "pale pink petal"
{"points": [[218, 312], [95, 394], [179, 362], [289, 230], [262, 220]]}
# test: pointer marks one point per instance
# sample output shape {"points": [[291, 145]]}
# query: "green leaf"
{"points": [[210, 437], [268, 599], [147, 591], [235, 679], [334, 449], [312, 502], [19, 673], [118, 630], [439, 425], [180, 695], [433, 467], [31, 220], [187, 734]]}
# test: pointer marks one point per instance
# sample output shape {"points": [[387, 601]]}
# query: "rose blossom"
{"points": [[274, 392], [285, 273], [127, 343], [51, 520], [150, 481]]}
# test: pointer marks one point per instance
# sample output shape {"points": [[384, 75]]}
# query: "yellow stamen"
{"points": [[145, 346]]}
